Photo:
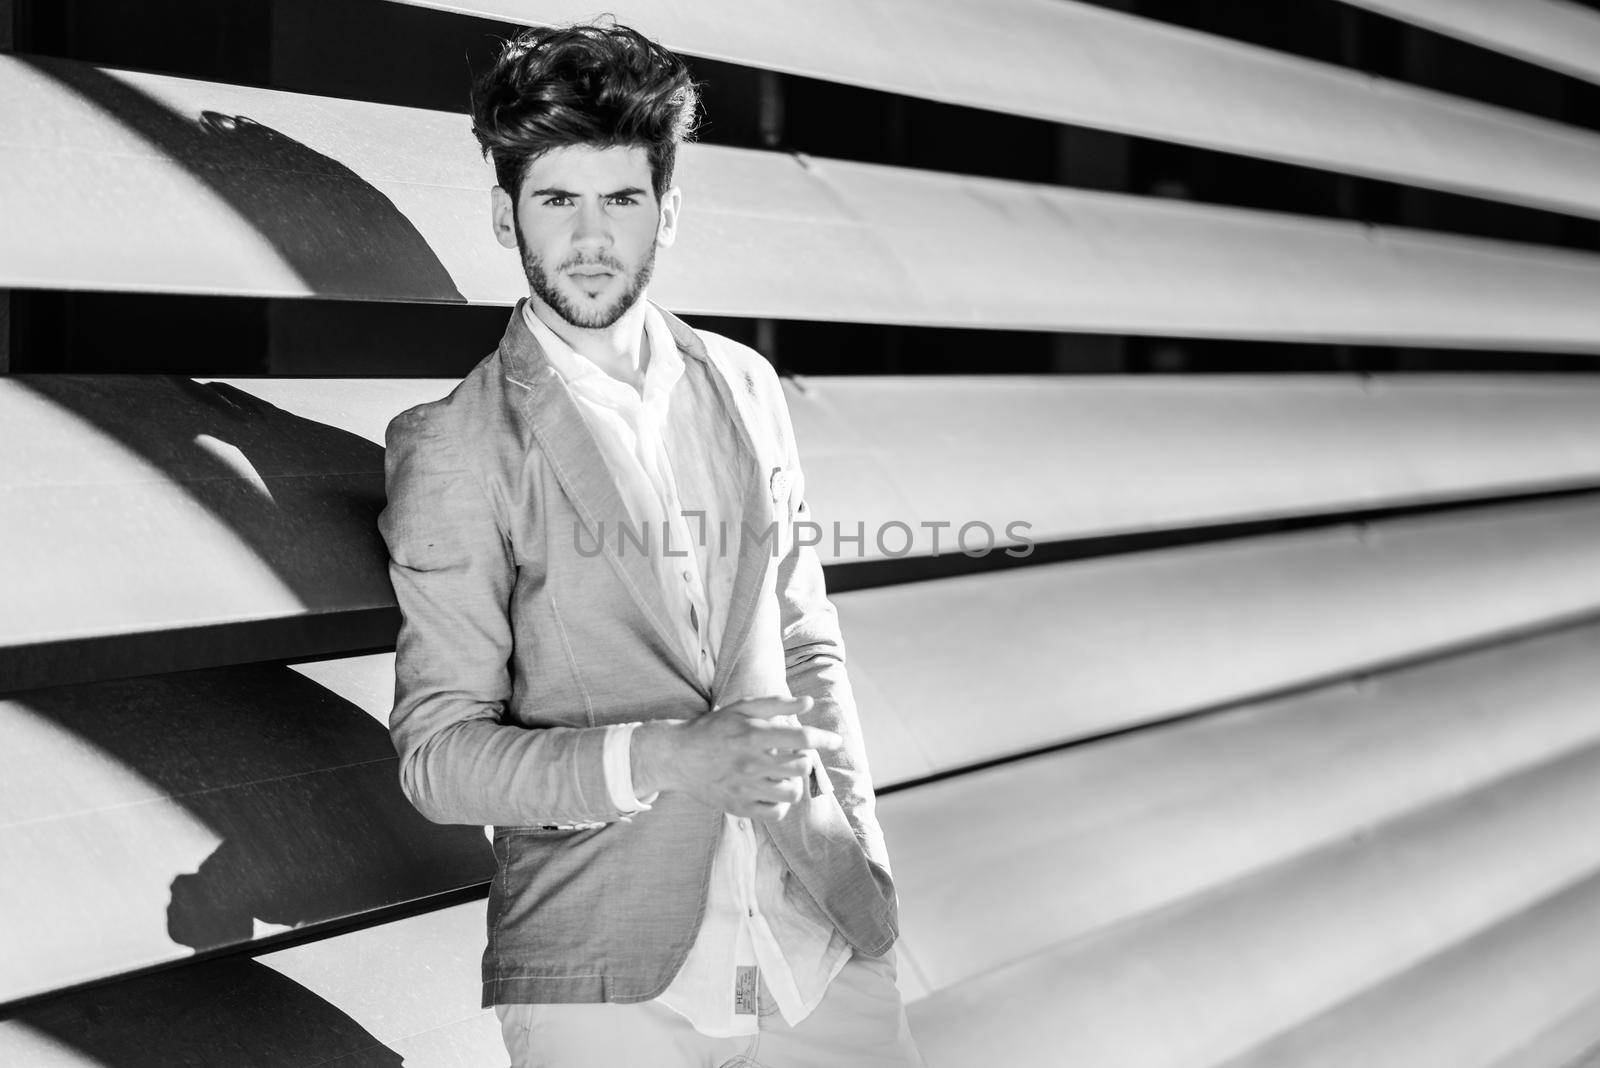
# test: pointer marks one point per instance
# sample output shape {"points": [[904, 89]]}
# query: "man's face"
{"points": [[587, 225]]}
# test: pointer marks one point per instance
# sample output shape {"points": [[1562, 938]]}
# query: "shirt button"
{"points": [[686, 576]]}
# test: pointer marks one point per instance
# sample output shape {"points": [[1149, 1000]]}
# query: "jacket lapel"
{"points": [[570, 448], [755, 553]]}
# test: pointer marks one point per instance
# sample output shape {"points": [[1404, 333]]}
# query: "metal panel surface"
{"points": [[414, 984], [1073, 650], [1558, 34], [1081, 64], [1200, 982], [1098, 455], [1529, 982], [238, 525], [144, 820], [1079, 841], [403, 992], [1572, 1043], [283, 195], [226, 529]]}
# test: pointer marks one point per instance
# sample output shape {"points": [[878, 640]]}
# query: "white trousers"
{"points": [[860, 1022]]}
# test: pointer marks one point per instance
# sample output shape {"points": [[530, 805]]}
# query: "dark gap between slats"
{"points": [[149, 333]]}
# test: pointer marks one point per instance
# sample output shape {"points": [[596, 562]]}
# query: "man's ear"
{"points": [[667, 224], [503, 216]]}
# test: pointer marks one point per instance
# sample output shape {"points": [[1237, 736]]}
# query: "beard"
{"points": [[588, 315]]}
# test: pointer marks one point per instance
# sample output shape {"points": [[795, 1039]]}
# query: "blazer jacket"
{"points": [[517, 649]]}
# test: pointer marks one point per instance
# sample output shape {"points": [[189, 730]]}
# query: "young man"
{"points": [[614, 648]]}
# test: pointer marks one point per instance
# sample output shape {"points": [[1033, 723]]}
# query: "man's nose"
{"points": [[592, 228]]}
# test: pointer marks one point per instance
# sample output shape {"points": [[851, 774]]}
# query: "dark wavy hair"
{"points": [[600, 84]]}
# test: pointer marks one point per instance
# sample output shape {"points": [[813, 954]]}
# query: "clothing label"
{"points": [[744, 990]]}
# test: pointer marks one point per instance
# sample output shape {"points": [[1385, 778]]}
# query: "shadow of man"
{"points": [[339, 234], [302, 495], [233, 1011]]}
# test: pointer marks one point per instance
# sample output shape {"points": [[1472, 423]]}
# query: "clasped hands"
{"points": [[750, 758]]}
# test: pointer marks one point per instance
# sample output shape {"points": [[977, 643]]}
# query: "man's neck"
{"points": [[620, 350]]}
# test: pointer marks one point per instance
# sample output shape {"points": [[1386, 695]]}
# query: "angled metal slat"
{"points": [[1213, 977], [1558, 34], [1076, 63], [1080, 841], [1520, 995], [1572, 1042], [1098, 455], [1074, 650], [281, 195]]}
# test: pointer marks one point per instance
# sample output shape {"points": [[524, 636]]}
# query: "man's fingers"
{"points": [[819, 739], [771, 754], [794, 739], [795, 767], [769, 707], [807, 739]]}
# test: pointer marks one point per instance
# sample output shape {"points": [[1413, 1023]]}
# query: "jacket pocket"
{"points": [[819, 782]]}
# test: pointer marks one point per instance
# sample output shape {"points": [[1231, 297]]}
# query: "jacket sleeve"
{"points": [[814, 657], [453, 572]]}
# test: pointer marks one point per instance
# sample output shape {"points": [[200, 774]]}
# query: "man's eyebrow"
{"points": [[630, 191]]}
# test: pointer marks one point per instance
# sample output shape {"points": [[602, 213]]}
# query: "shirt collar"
{"points": [[585, 378]]}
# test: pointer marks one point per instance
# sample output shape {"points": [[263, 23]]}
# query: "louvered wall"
{"points": [[1280, 749]]}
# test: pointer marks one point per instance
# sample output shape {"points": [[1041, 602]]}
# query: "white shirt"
{"points": [[663, 466]]}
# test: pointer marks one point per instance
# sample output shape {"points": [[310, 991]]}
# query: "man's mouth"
{"points": [[591, 280]]}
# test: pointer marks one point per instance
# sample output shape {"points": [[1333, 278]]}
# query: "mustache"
{"points": [[610, 263]]}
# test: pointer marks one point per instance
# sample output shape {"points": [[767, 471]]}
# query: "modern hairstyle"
{"points": [[602, 84]]}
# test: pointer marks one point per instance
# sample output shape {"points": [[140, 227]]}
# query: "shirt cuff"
{"points": [[617, 756]]}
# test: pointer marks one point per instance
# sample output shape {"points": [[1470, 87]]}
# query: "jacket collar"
{"points": [[526, 364]]}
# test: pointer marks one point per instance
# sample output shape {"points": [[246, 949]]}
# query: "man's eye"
{"points": [[557, 202], [625, 201]]}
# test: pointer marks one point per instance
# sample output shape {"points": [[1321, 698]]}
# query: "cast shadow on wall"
{"points": [[340, 235], [300, 787]]}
